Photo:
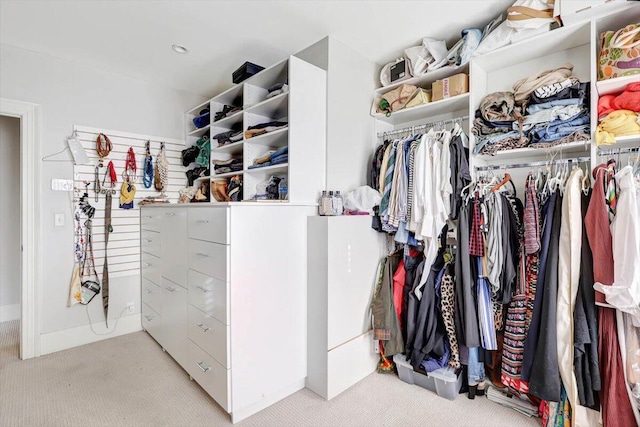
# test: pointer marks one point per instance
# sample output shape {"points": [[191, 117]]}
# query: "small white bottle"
{"points": [[338, 203], [322, 203]]}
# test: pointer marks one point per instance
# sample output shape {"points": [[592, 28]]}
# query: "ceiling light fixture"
{"points": [[179, 49]]}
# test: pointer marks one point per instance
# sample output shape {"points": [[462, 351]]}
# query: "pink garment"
{"points": [[398, 286], [629, 99]]}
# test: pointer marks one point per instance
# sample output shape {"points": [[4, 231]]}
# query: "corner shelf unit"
{"points": [[499, 69], [303, 107]]}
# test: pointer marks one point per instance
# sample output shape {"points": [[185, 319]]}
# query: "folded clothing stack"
{"points": [[226, 166], [271, 158], [277, 89], [618, 115], [227, 111], [263, 128], [544, 110], [228, 137]]}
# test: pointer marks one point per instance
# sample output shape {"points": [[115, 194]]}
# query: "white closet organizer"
{"points": [[303, 107], [224, 293]]}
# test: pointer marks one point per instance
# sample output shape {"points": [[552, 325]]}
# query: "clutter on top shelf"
{"points": [[451, 86]]}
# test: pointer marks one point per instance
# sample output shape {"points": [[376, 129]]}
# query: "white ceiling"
{"points": [[135, 37]]}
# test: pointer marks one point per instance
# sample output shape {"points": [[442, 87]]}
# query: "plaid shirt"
{"points": [[476, 241]]}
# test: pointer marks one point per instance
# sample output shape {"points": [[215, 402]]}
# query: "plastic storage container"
{"points": [[245, 71], [443, 381]]}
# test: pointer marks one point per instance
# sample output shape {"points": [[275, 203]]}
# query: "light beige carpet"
{"points": [[129, 381]]}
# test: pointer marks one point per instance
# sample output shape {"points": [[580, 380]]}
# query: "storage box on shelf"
{"points": [[302, 106]]}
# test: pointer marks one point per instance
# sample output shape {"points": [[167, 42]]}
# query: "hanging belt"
{"points": [[105, 268]]}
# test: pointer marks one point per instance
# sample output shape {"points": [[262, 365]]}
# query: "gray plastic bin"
{"points": [[443, 381]]}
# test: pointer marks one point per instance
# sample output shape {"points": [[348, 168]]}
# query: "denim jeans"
{"points": [[534, 108], [559, 128], [476, 368]]}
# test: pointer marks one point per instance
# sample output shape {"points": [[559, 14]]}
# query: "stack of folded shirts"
{"points": [[263, 128], [227, 111], [228, 137], [277, 89], [619, 115], [271, 158], [544, 110], [226, 166]]}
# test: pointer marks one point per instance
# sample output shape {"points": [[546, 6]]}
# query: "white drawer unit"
{"points": [[211, 375], [150, 267], [174, 320], [174, 245], [234, 316], [152, 295], [208, 258], [152, 322], [209, 334], [209, 295], [150, 242], [209, 225]]}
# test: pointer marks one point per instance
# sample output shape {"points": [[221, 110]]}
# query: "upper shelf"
{"points": [[425, 79], [616, 85], [199, 132], [273, 108], [442, 106], [629, 141], [529, 152]]}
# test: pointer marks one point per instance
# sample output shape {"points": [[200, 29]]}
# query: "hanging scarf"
{"points": [[128, 190], [147, 177], [162, 170]]}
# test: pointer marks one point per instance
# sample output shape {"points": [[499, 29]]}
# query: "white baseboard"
{"points": [[9, 312], [81, 335]]}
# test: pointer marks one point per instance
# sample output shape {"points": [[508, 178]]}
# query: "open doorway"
{"points": [[10, 271], [23, 195]]}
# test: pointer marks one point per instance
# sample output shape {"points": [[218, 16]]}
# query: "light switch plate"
{"points": [[62, 184], [59, 219]]}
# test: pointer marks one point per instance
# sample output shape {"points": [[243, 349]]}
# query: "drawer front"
{"points": [[151, 267], [152, 295], [209, 334], [150, 242], [209, 295], [209, 224], [212, 376], [208, 258], [150, 219], [174, 319], [152, 322], [174, 245]]}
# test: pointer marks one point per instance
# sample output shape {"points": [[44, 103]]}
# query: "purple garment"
{"points": [[431, 363]]}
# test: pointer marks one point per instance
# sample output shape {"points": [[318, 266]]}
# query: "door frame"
{"points": [[30, 286]]}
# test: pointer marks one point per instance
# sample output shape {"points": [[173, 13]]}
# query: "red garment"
{"points": [[597, 224], [629, 99], [398, 286], [616, 407]]}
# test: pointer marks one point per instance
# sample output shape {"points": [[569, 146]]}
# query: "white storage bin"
{"points": [[443, 381]]}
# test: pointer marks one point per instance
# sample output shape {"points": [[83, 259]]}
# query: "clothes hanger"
{"points": [[505, 180]]}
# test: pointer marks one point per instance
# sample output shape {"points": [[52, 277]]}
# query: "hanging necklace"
{"points": [[113, 178], [103, 147], [129, 174], [147, 177]]}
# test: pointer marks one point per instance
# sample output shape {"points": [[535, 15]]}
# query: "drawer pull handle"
{"points": [[147, 240], [146, 264], [202, 221], [169, 214], [149, 318], [203, 327], [171, 289], [203, 289], [205, 370], [202, 254]]}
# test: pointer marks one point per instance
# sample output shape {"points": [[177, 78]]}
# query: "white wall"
{"points": [[69, 93], [9, 218], [350, 128]]}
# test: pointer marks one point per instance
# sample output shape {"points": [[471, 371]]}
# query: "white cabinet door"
{"points": [[354, 250], [174, 245], [152, 295], [174, 320], [209, 224], [209, 295], [152, 322]]}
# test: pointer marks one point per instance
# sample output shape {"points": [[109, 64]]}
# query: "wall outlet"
{"points": [[131, 307], [58, 219]]}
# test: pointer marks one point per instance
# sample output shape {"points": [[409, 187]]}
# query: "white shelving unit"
{"points": [[303, 107]]}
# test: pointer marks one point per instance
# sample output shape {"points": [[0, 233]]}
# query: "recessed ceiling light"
{"points": [[179, 49]]}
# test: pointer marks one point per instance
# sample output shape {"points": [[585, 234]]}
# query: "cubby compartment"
{"points": [[229, 100], [257, 87]]}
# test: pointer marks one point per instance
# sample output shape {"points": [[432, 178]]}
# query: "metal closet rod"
{"points": [[422, 126], [533, 164], [613, 151]]}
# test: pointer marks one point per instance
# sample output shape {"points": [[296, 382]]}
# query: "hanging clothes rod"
{"points": [[615, 151], [533, 164], [422, 126]]}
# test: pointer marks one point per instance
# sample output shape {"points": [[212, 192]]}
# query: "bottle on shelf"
{"points": [[338, 203], [282, 189], [322, 203]]}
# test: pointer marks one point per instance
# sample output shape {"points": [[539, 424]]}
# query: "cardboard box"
{"points": [[451, 86]]}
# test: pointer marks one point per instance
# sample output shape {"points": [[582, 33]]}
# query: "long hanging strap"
{"points": [[105, 269], [147, 173]]}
